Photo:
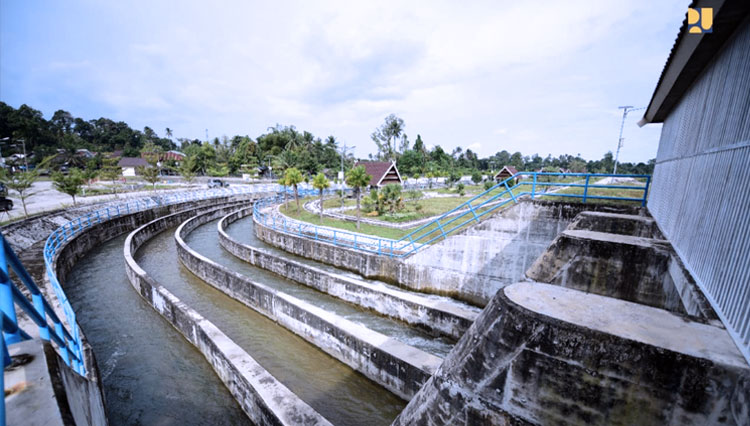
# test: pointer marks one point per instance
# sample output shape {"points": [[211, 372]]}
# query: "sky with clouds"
{"points": [[532, 76]]}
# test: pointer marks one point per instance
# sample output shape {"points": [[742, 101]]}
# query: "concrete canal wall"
{"points": [[398, 367], [265, 400], [434, 316], [471, 265]]}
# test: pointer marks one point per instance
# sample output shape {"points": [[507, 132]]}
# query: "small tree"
{"points": [[150, 173], [23, 181], [392, 197], [460, 189], [293, 178], [320, 182], [70, 184], [111, 171], [488, 184], [476, 177], [186, 170], [357, 178], [90, 172]]}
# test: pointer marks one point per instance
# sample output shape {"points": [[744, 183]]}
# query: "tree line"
{"points": [[279, 148]]}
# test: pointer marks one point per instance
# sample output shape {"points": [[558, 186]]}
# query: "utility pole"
{"points": [[341, 174], [625, 110]]}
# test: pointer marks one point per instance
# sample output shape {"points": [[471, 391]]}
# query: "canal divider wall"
{"points": [[435, 316], [400, 368], [264, 399]]}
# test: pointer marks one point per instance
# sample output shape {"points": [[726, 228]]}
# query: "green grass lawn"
{"points": [[290, 209], [435, 207]]}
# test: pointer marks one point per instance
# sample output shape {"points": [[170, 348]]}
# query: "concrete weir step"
{"points": [[545, 354], [400, 368], [438, 315]]}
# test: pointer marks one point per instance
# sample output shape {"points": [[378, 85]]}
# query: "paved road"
{"points": [[47, 198]]}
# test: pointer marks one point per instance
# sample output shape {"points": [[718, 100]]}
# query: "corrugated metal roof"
{"points": [[691, 53]]}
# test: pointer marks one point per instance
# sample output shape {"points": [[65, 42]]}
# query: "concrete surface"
{"points": [[45, 391], [469, 266], [400, 368], [632, 268], [444, 317], [542, 354], [265, 400]]}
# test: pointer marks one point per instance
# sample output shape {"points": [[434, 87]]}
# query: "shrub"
{"points": [[414, 195], [488, 184]]}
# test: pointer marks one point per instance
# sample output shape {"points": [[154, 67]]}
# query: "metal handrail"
{"points": [[68, 337], [450, 221]]}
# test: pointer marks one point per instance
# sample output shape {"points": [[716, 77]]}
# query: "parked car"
{"points": [[217, 183]]}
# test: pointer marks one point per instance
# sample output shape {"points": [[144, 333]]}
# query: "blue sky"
{"points": [[531, 76]]}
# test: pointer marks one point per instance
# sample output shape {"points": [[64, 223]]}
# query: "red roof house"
{"points": [[382, 172], [505, 173]]}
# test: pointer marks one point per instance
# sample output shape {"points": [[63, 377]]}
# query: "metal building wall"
{"points": [[700, 195]]}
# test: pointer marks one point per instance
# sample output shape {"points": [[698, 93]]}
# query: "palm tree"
{"points": [[293, 178], [320, 182], [358, 178], [168, 132], [283, 182]]}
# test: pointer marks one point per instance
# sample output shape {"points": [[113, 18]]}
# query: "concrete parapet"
{"points": [[265, 400], [435, 316], [400, 368], [544, 354]]}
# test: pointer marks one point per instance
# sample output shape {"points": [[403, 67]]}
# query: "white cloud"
{"points": [[529, 76]]}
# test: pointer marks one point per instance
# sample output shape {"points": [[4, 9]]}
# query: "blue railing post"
{"points": [[645, 191], [6, 299], [586, 188], [38, 301], [533, 187]]}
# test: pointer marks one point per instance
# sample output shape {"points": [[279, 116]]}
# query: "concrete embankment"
{"points": [[435, 316], [261, 396], [398, 367]]}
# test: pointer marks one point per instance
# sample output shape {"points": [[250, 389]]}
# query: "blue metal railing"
{"points": [[472, 210], [38, 309], [61, 235]]}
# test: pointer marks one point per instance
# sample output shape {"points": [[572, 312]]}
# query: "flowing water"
{"points": [[151, 375], [339, 393], [205, 240]]}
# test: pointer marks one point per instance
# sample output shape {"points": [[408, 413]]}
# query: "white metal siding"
{"points": [[700, 194]]}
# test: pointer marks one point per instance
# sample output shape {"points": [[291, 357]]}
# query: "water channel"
{"points": [[339, 393], [151, 375]]}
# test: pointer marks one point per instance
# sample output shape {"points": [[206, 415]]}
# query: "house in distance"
{"points": [[505, 173], [382, 172]]}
